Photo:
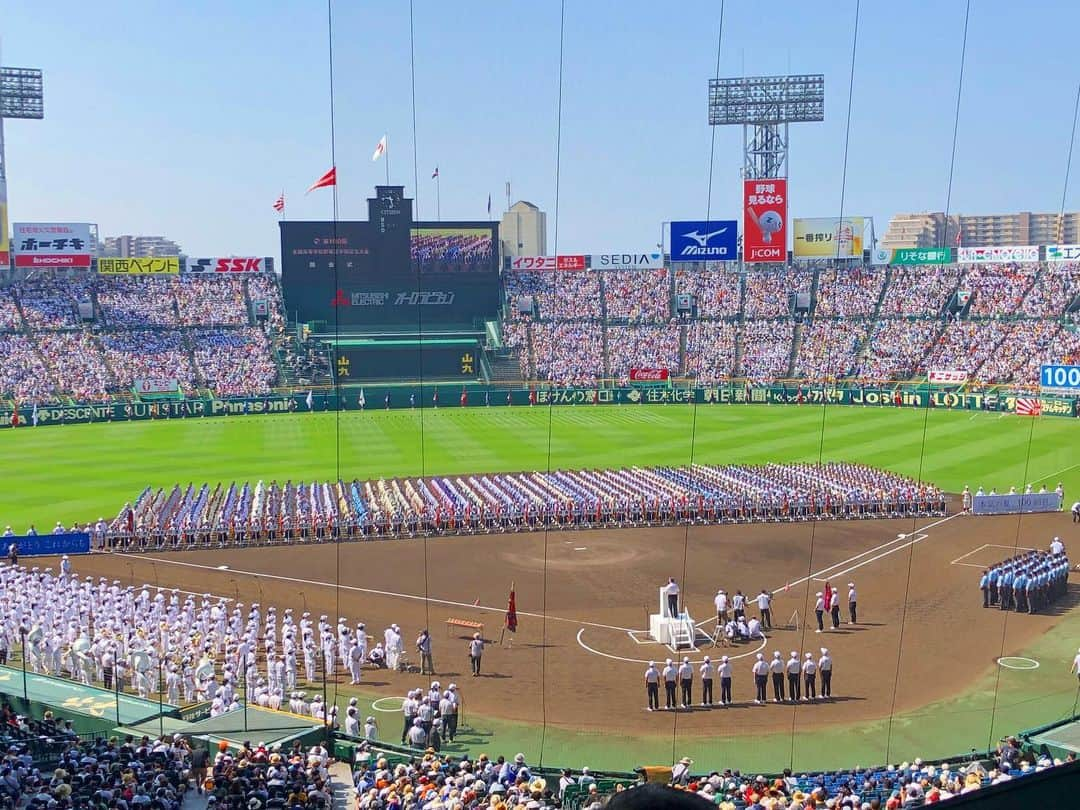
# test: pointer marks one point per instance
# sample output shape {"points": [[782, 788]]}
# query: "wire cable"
{"points": [[551, 403], [926, 410], [694, 414]]}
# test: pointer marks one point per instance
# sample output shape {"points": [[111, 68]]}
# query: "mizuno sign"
{"points": [[712, 241]]}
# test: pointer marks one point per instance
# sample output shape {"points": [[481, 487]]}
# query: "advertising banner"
{"points": [[765, 220], [947, 376], [156, 387], [5, 255], [716, 240], [637, 260], [829, 237], [1005, 253], [1063, 253], [1060, 376], [150, 266], [910, 256], [51, 244], [226, 265], [37, 545], [574, 262], [649, 374], [1015, 504]]}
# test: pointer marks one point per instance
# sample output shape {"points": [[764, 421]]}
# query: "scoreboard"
{"points": [[390, 270]]}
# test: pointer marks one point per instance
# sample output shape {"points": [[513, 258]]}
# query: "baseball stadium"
{"points": [[416, 512]]}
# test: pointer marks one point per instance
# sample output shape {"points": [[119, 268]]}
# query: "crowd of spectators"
{"points": [[264, 287], [718, 292], [568, 353], [234, 362], [966, 345], [921, 291], [896, 348], [766, 349], [9, 312], [50, 300], [652, 347], [998, 289], [137, 301], [559, 296], [829, 349], [22, 374], [637, 296], [153, 354], [710, 350], [210, 301], [848, 292], [1055, 288], [768, 293], [78, 361]]}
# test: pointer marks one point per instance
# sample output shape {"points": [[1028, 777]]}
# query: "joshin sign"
{"points": [[765, 220]]}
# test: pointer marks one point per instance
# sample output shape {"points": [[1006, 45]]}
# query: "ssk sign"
{"points": [[51, 244], [648, 374], [627, 261], [225, 266], [700, 241]]}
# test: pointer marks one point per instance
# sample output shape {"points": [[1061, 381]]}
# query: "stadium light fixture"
{"points": [[21, 93], [764, 106]]}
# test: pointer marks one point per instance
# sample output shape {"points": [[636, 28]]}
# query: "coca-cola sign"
{"points": [[649, 374]]}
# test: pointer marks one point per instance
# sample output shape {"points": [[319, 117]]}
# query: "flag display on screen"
{"points": [[1028, 406]]}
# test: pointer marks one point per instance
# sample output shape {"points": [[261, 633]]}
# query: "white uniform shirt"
{"points": [[776, 666], [721, 602], [760, 668], [652, 675], [851, 595], [724, 669], [825, 663], [763, 601], [706, 671], [686, 672], [669, 674], [809, 667], [1057, 547], [476, 647]]}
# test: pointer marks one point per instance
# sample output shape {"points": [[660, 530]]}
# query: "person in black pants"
{"points": [[793, 669], [652, 686], [809, 669], [707, 672], [686, 683], [761, 678], [776, 667], [724, 670], [670, 675], [819, 612], [825, 668]]}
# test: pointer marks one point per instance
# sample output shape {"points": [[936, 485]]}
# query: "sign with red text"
{"points": [[649, 374], [51, 244], [226, 266], [575, 262], [765, 220]]}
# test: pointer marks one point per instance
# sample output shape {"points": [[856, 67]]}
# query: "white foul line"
{"points": [[394, 594], [1054, 474]]}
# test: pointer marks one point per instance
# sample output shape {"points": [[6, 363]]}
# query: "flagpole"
{"points": [[387, 156], [438, 196]]}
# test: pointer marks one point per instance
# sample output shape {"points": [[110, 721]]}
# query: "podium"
{"points": [[678, 632]]}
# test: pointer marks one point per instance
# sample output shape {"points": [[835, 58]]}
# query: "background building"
{"points": [[524, 230], [125, 246], [981, 230]]}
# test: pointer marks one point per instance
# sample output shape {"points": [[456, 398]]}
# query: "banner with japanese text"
{"points": [[765, 220], [149, 266], [829, 237]]}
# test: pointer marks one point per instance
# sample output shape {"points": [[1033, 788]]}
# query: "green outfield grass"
{"points": [[79, 472]]}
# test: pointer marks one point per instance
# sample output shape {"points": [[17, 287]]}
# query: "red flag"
{"points": [[328, 179], [1028, 406], [511, 610], [828, 596], [279, 203]]}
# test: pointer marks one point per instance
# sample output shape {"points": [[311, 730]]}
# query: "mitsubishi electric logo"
{"points": [[703, 241]]}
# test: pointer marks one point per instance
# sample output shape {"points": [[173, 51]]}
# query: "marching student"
{"points": [[476, 652]]}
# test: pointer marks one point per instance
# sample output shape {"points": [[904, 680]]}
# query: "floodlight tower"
{"points": [[21, 96], [765, 106]]}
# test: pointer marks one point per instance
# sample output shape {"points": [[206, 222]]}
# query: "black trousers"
{"points": [[687, 691], [673, 604], [836, 616], [766, 618], [107, 676], [405, 729], [706, 691], [793, 686], [450, 724], [986, 597], [820, 615], [653, 691], [778, 685], [475, 661], [669, 693], [811, 687], [760, 683], [826, 683], [853, 612], [725, 690]]}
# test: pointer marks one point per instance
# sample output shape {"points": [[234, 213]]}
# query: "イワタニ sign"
{"points": [[1063, 253], [714, 240], [151, 266], [829, 237], [1060, 376], [51, 244], [225, 266], [572, 262], [765, 220], [1005, 253], [638, 260]]}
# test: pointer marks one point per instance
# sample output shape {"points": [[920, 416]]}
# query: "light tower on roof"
{"points": [[21, 96]]}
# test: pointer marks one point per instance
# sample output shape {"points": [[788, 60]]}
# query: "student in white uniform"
{"points": [[686, 683], [809, 670], [852, 603], [825, 668], [721, 602], [352, 722], [761, 678], [776, 669], [670, 675], [707, 671], [764, 603], [1056, 546], [724, 671], [819, 612], [671, 591], [793, 669]]}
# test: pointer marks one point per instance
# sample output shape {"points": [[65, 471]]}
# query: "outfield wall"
{"points": [[477, 395]]}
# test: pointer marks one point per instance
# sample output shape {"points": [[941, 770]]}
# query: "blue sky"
{"points": [[189, 119]]}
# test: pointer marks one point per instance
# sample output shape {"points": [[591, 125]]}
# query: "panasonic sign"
{"points": [[704, 241]]}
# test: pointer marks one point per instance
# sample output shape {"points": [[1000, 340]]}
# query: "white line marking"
{"points": [[581, 548], [917, 539], [413, 597], [586, 647], [877, 548], [962, 556], [1055, 474], [223, 568], [973, 565]]}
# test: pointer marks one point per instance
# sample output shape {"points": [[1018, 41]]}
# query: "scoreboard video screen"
{"points": [[389, 270]]}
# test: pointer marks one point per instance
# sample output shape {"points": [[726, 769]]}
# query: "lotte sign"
{"points": [[765, 220]]}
